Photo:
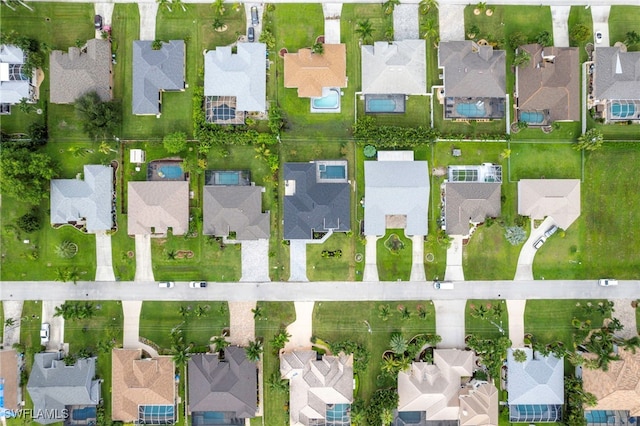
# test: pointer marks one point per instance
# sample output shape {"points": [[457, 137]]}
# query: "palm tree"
{"points": [[201, 310], [522, 59], [632, 38], [385, 312], [9, 322], [257, 312], [277, 383], [180, 354], [166, 3], [253, 351], [365, 31], [480, 311], [66, 249], [519, 355], [217, 24], [497, 310], [405, 314], [220, 343], [404, 363], [631, 344], [422, 312], [184, 311], [427, 6], [280, 340], [78, 151], [429, 30], [218, 7], [386, 416], [179, 3], [171, 255], [398, 344], [389, 5], [590, 141], [317, 48], [67, 274]]}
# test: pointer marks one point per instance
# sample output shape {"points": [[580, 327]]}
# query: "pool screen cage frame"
{"points": [[157, 418], [624, 102], [468, 175], [212, 102], [552, 414]]}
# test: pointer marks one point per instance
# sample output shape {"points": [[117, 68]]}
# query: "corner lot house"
{"points": [[474, 80], [55, 387], [10, 380], [390, 71], [548, 87], [616, 84], [154, 207], [535, 387], [396, 194], [617, 390], [235, 83], [15, 84], [154, 72], [222, 390], [471, 194], [89, 201], [235, 209], [320, 387], [317, 198], [143, 389], [311, 72], [82, 70], [558, 198]]}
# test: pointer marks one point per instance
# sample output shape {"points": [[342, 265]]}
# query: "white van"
{"points": [[443, 285], [607, 282]]}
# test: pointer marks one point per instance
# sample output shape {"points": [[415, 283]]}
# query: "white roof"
{"points": [[399, 67], [558, 198]]}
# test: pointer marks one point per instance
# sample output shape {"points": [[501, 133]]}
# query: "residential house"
{"points": [[617, 390], [548, 86], [235, 209], [399, 67], [474, 78], [235, 83], [89, 201], [15, 84], [154, 72], [311, 72], [396, 194], [11, 393], [471, 194], [58, 389], [535, 387], [616, 84], [558, 198], [222, 390], [320, 387], [443, 392], [154, 207], [143, 389], [317, 198], [82, 70]]}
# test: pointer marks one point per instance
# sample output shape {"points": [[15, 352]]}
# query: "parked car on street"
{"points": [[198, 284], [166, 284], [97, 22], [44, 333], [443, 285], [607, 282]]}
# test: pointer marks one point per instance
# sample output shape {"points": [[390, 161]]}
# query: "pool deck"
{"points": [[341, 163], [326, 92], [494, 108]]}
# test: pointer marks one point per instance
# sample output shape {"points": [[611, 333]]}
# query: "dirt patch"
{"points": [[439, 171], [184, 254]]}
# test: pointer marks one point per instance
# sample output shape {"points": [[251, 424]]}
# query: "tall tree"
{"points": [[389, 5], [365, 30], [26, 175], [427, 6], [254, 350], [398, 344], [100, 120], [590, 141]]}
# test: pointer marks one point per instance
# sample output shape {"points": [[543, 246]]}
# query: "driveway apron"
{"points": [[131, 330], [370, 259], [298, 260], [454, 271], [144, 270], [104, 267], [450, 322], [242, 325], [405, 22], [417, 264], [148, 12], [560, 18], [451, 18], [255, 261], [56, 324], [515, 309], [331, 12], [600, 17], [302, 328], [524, 270], [12, 310]]}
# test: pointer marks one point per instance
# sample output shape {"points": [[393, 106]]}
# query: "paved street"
{"points": [[318, 291]]}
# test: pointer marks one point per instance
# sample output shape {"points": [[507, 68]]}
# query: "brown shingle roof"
{"points": [[619, 387], [310, 72], [137, 381], [550, 82], [9, 372], [159, 205]]}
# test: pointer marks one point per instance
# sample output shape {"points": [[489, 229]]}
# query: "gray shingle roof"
{"points": [[76, 73], [53, 385], [396, 188], [471, 70], [242, 75], [314, 206], [551, 84], [158, 204], [398, 67], [235, 209], [539, 380], [12, 91], [155, 71], [617, 74], [91, 198], [470, 202], [229, 385]]}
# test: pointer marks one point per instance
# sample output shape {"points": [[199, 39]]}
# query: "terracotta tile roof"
{"points": [[310, 72], [137, 381], [159, 205], [619, 387], [9, 372]]}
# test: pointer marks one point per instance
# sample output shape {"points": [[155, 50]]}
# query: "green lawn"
{"points": [[566, 131], [339, 321], [394, 265], [158, 318], [320, 268], [543, 161], [489, 256], [417, 113], [581, 15], [620, 131], [275, 316], [483, 328], [623, 19]]}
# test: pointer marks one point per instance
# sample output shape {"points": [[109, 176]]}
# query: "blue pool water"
{"points": [[596, 416], [213, 415], [331, 101], [381, 105], [623, 110], [228, 178], [338, 414], [472, 109], [532, 117], [410, 416], [332, 172], [170, 172], [84, 413], [532, 409]]}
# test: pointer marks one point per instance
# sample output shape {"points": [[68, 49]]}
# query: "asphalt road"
{"points": [[317, 291]]}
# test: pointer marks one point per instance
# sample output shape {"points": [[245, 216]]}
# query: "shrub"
{"points": [[29, 223], [175, 142], [516, 39], [580, 32], [369, 151], [515, 235]]}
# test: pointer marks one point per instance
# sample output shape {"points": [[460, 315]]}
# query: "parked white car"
{"points": [[607, 282], [44, 333]]}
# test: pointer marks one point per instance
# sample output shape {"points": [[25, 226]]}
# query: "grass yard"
{"points": [[483, 328], [543, 161], [581, 15], [339, 321], [275, 317], [472, 130], [489, 256], [566, 131], [394, 256], [623, 19], [417, 113], [158, 318], [338, 268], [30, 328]]}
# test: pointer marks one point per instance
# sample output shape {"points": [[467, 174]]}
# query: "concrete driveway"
{"points": [[106, 11], [454, 271], [255, 261], [417, 263], [104, 258], [332, 12], [405, 22], [131, 328], [242, 325], [524, 270], [600, 17], [560, 18], [451, 19], [515, 309], [247, 11], [148, 12], [450, 322], [144, 269], [12, 309], [56, 324], [370, 259], [302, 328], [298, 260]]}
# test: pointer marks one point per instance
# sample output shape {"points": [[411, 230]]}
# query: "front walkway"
{"points": [[370, 259], [301, 329], [298, 260], [524, 270], [331, 12], [451, 18], [104, 261], [515, 310], [560, 18], [255, 260], [417, 264], [148, 12], [11, 310], [131, 330], [144, 269], [56, 324], [450, 322], [454, 271], [242, 325], [405, 22]]}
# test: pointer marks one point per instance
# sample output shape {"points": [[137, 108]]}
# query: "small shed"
{"points": [[136, 156]]}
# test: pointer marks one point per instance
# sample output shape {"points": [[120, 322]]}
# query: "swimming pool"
{"points": [[170, 171], [381, 105], [532, 117], [622, 111], [410, 417], [228, 178], [330, 101], [156, 414], [84, 413], [338, 414], [332, 172], [472, 109]]}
